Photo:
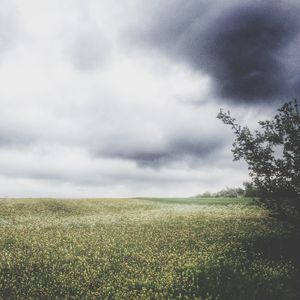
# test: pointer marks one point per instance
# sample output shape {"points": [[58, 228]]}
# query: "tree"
{"points": [[273, 157], [250, 190], [230, 192], [205, 195]]}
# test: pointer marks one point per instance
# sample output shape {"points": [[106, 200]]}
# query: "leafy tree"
{"points": [[205, 195], [273, 157], [250, 190], [230, 192]]}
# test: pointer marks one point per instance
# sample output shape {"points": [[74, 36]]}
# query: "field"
{"points": [[145, 249]]}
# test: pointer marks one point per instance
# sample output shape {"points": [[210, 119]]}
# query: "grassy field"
{"points": [[144, 249]]}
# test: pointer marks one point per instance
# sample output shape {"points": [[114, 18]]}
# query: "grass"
{"points": [[145, 248]]}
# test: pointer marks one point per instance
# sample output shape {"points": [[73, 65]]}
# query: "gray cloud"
{"points": [[55, 174], [10, 138], [89, 50], [250, 48], [8, 28], [13, 134], [188, 148]]}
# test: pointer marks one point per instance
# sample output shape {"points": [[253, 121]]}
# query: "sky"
{"points": [[105, 98]]}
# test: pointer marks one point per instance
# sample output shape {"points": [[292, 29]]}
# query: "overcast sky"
{"points": [[104, 98]]}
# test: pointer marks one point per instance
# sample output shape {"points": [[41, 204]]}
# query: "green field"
{"points": [[145, 248]]}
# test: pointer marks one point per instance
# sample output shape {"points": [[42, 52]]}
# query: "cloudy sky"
{"points": [[119, 98]]}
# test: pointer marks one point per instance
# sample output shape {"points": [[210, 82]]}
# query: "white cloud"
{"points": [[75, 123]]}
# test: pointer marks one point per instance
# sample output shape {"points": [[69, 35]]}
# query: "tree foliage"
{"points": [[273, 157], [249, 190], [227, 193]]}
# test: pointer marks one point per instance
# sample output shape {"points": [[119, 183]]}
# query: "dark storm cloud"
{"points": [[249, 48], [188, 149]]}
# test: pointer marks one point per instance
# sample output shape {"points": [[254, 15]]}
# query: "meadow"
{"points": [[145, 248]]}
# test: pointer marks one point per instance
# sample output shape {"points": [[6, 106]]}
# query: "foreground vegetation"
{"points": [[144, 249]]}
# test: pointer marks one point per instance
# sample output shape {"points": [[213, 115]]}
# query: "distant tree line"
{"points": [[247, 191]]}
